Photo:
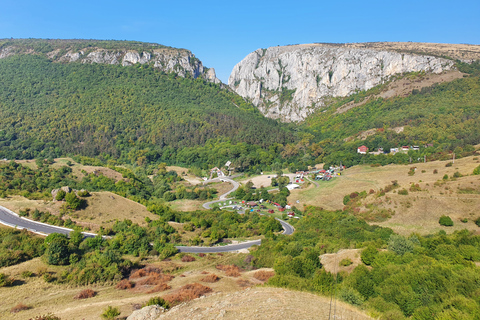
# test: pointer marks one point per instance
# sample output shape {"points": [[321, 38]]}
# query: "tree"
{"points": [[110, 313], [58, 252], [73, 201], [60, 195], [445, 221]]}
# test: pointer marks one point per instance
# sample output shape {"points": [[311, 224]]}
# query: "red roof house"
{"points": [[362, 150]]}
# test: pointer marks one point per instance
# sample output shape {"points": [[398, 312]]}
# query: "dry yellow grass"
{"points": [[103, 209], [331, 261], [416, 212]]}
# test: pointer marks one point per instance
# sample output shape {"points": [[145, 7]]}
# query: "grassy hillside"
{"points": [[445, 115]]}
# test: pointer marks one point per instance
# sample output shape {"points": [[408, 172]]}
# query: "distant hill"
{"points": [[138, 112]]}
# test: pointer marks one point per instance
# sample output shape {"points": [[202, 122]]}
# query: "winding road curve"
{"points": [[11, 219]]}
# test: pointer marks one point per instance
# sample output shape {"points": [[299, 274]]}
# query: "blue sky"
{"points": [[221, 33]]}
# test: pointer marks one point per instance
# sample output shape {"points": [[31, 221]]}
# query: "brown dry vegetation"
{"points": [[187, 293], [19, 307], [124, 284], [188, 258], [85, 294], [159, 287], [230, 270], [263, 275], [210, 278]]}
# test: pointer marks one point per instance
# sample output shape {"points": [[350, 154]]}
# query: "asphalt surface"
{"points": [[11, 219]]}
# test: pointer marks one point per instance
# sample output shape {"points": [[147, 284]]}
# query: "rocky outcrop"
{"points": [[166, 59], [147, 313], [293, 81]]}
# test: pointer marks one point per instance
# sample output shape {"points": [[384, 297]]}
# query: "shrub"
{"points": [[449, 164], [19, 307], [457, 174], [230, 270], [477, 221], [157, 301], [435, 171], [346, 262], [188, 258], [445, 221], [124, 284], [187, 292], [368, 255], [110, 313], [263, 275], [83, 193], [159, 287], [464, 220], [211, 278], [60, 195], [445, 177], [27, 274], [5, 281], [346, 199], [399, 244], [476, 171], [85, 294], [351, 296], [403, 192]]}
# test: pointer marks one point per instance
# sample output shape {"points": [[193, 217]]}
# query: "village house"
{"points": [[362, 149]]}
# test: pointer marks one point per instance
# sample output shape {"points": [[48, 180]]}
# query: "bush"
{"points": [[110, 313], [263, 275], [445, 177], [19, 307], [60, 195], [368, 255], [211, 278], [346, 262], [27, 274], [157, 301], [476, 171], [5, 281], [403, 192], [188, 258], [187, 292], [85, 294], [477, 221], [230, 270], [399, 244], [449, 164], [124, 284], [159, 287], [351, 296], [445, 221]]}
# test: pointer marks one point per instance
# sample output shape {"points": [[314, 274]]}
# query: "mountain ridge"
{"points": [[291, 82]]}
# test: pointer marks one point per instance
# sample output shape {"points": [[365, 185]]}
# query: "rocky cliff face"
{"points": [[291, 82], [181, 61]]}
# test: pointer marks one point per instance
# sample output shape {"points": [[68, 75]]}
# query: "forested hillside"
{"points": [[136, 114]]}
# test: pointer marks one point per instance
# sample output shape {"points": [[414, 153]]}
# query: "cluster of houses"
{"points": [[252, 205], [364, 149], [326, 175]]}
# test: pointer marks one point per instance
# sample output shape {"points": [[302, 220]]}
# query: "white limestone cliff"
{"points": [[291, 82], [180, 61]]}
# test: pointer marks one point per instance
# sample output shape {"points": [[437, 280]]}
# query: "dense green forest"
{"points": [[430, 277], [134, 114]]}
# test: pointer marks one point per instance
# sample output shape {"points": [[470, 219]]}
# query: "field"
{"points": [[228, 293], [416, 212], [103, 209]]}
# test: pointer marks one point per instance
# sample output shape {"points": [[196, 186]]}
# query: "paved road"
{"points": [[11, 219], [227, 248]]}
